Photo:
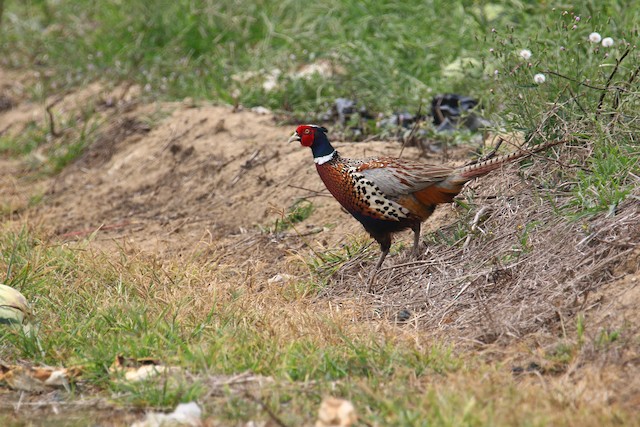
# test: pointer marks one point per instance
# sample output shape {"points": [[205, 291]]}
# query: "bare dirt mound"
{"points": [[202, 172], [167, 176]]}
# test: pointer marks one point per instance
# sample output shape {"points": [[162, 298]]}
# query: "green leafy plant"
{"points": [[298, 212]]}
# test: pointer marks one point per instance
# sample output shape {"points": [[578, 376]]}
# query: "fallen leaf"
{"points": [[37, 379], [336, 412], [150, 371], [141, 369], [14, 308], [185, 414], [280, 278]]}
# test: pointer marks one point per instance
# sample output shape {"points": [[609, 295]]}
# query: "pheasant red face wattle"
{"points": [[306, 139], [305, 134]]}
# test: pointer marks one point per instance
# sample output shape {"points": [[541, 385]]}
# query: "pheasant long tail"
{"points": [[469, 172]]}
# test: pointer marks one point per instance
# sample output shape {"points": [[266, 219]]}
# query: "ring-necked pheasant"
{"points": [[388, 194]]}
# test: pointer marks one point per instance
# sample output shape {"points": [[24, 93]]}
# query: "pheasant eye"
{"points": [[307, 131]]}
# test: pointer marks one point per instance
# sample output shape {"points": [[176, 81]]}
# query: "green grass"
{"points": [[326, 263], [30, 139], [91, 307], [607, 183], [393, 55], [300, 210], [55, 151]]}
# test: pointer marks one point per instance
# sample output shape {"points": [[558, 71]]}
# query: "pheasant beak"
{"points": [[294, 137]]}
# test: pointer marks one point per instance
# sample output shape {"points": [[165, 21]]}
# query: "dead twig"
{"points": [[250, 163], [474, 226], [182, 134], [562, 76], [315, 193], [414, 128], [574, 97], [127, 87], [616, 99], [608, 84], [52, 123], [266, 408], [94, 230]]}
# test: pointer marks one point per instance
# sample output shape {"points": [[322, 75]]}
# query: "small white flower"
{"points": [[525, 54], [539, 78], [607, 42], [595, 37]]}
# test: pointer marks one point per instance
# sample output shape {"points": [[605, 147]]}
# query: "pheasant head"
{"points": [[315, 137]]}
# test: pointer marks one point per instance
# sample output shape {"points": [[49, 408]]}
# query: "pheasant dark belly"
{"points": [[381, 231], [380, 226]]}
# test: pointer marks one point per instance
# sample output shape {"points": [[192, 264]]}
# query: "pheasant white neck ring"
{"points": [[324, 159]]}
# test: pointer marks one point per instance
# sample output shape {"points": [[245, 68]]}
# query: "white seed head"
{"points": [[595, 37], [539, 78], [525, 54], [607, 42]]}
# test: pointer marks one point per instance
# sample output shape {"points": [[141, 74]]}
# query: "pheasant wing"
{"points": [[399, 177], [371, 200]]}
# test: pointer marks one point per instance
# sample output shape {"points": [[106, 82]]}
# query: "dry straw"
{"points": [[522, 268]]}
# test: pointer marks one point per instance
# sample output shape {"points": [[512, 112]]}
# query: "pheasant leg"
{"points": [[385, 244], [416, 241]]}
